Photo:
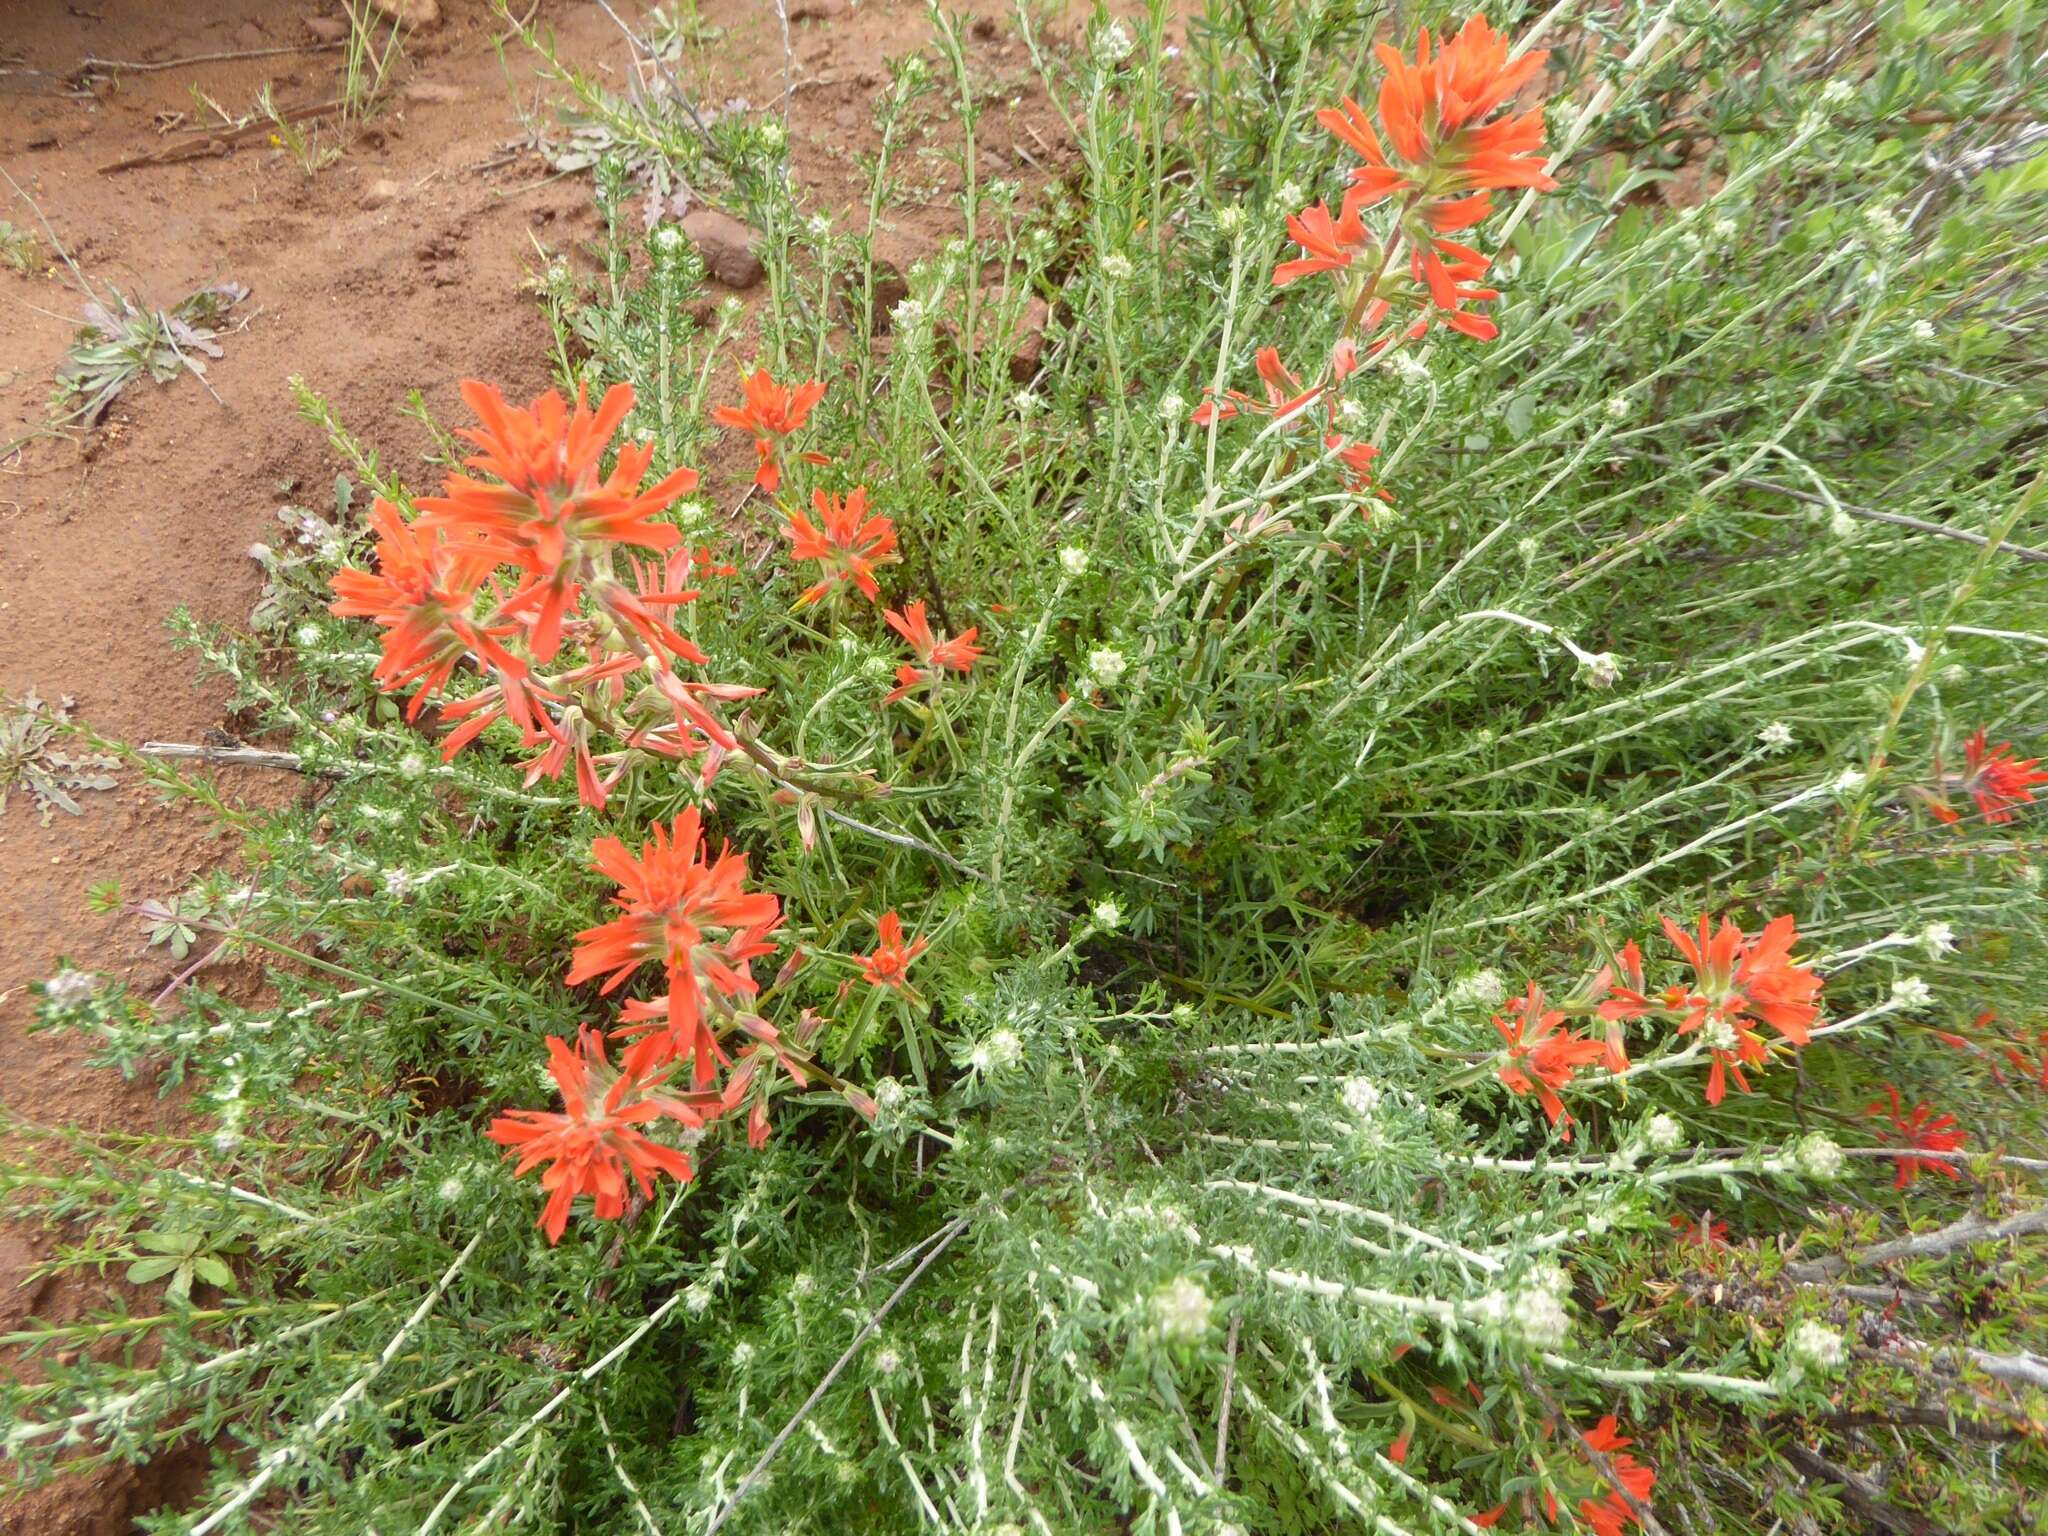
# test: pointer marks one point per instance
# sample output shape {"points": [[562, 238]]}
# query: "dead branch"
{"points": [[1957, 1234]]}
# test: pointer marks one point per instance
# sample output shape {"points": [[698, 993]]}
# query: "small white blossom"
{"points": [[1938, 938], [449, 1190], [690, 514], [1027, 404], [1775, 737], [818, 226], [1484, 989], [1183, 1013], [803, 1283], [1843, 526], [69, 988], [1849, 780], [1112, 44], [399, 883], [412, 766], [1541, 1318], [1290, 195], [1074, 560], [1117, 267], [1551, 1278], [667, 240], [260, 553], [1410, 366], [1529, 547], [1911, 992], [697, 1300], [1108, 914], [1724, 228], [1720, 1035], [742, 1355], [1004, 1050], [1619, 407], [1818, 1156], [907, 316], [309, 635], [1230, 218], [889, 1095], [1816, 1345], [1361, 1096], [1665, 1133], [773, 134], [1601, 670], [1350, 412], [1180, 1309], [1172, 408], [887, 1361], [1883, 225], [1923, 330], [1837, 92], [1107, 666]]}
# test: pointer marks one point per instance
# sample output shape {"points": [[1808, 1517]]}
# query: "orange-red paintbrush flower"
{"points": [[771, 411], [595, 1144], [421, 595], [1607, 1515], [888, 965], [546, 503], [1924, 1131], [846, 541], [1327, 244], [1997, 780], [1540, 1058], [688, 912], [938, 654]]}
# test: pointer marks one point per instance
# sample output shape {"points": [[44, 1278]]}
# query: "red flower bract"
{"points": [[1609, 1514], [938, 655], [689, 912], [889, 963], [771, 412], [546, 503], [1737, 981], [846, 541], [1540, 1059], [594, 1144], [1925, 1131], [421, 596], [1996, 780]]}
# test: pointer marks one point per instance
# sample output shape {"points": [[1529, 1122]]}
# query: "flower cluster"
{"points": [[1449, 155], [1622, 1484], [536, 500], [1921, 1129], [1739, 985], [538, 503], [1993, 777]]}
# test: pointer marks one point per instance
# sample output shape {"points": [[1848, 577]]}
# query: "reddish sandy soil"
{"points": [[105, 533]]}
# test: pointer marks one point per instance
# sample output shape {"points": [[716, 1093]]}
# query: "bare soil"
{"points": [[365, 294]]}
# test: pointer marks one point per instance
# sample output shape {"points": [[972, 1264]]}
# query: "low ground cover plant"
{"points": [[1395, 885]]}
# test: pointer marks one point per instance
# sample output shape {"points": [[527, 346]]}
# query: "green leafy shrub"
{"points": [[1209, 1059]]}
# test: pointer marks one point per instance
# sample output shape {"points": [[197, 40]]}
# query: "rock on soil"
{"points": [[727, 246]]}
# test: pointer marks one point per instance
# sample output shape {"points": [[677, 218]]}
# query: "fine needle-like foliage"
{"points": [[1338, 832]]}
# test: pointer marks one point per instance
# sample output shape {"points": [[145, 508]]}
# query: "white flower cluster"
{"points": [[1361, 1096], [1816, 1345], [1775, 737], [1938, 939], [1539, 1316], [998, 1053], [1074, 560], [1180, 1310], [1664, 1133], [1112, 44], [1482, 989], [1911, 992], [1601, 670], [1117, 267], [1818, 1157], [68, 988], [1107, 666]]}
